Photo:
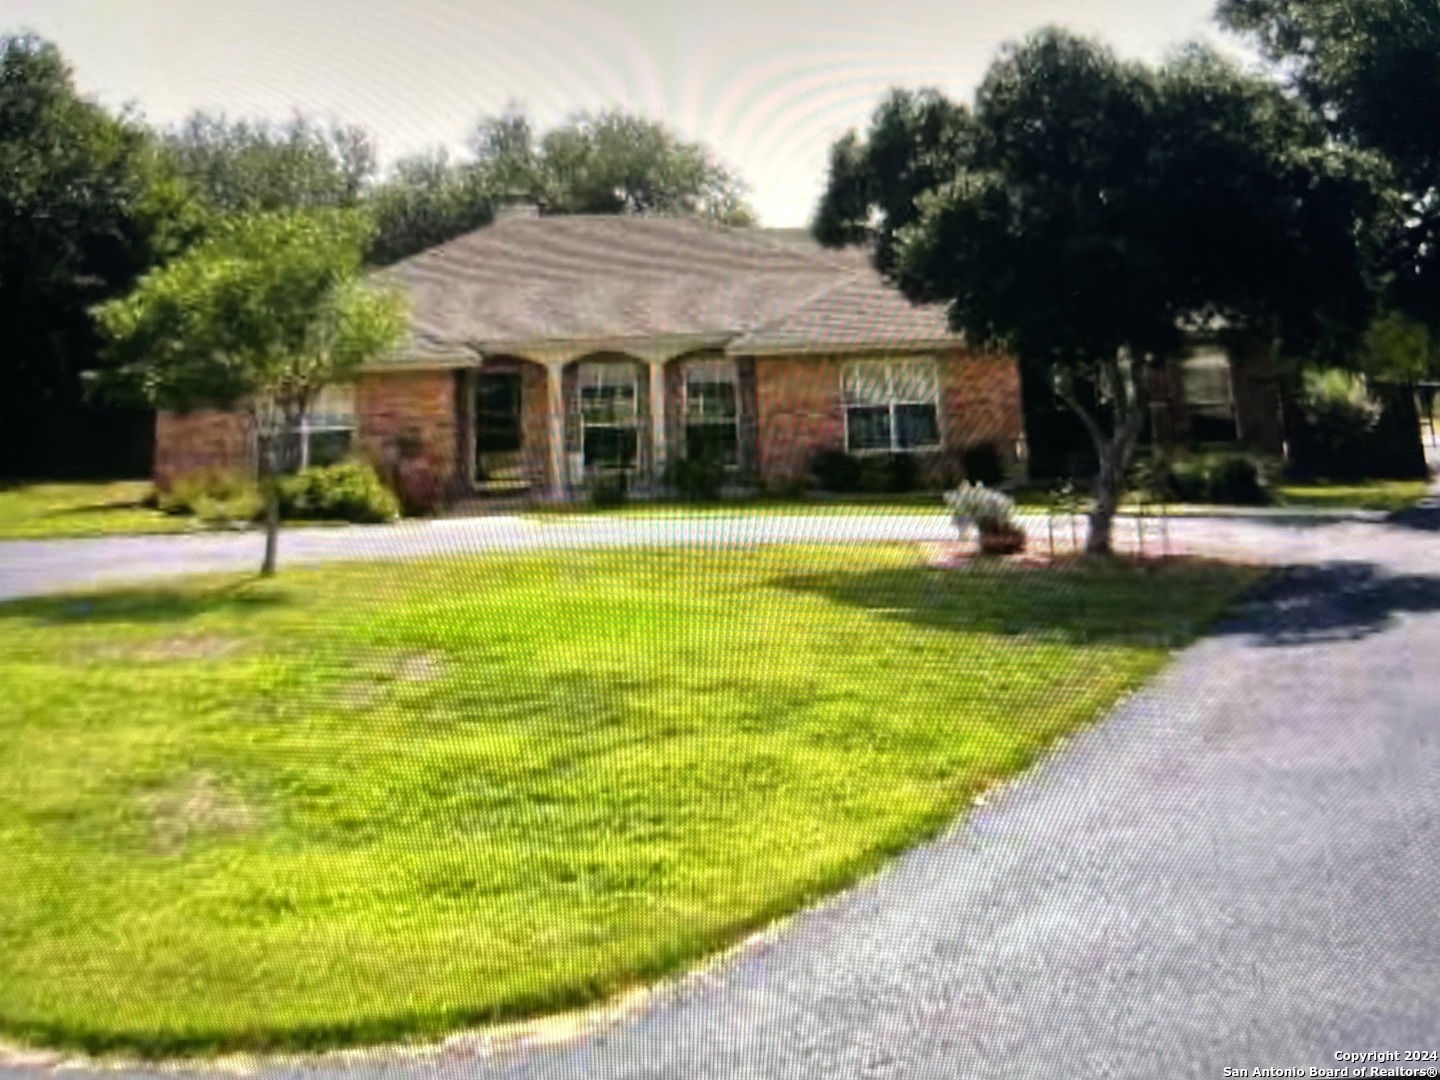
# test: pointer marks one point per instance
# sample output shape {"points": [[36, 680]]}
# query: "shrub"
{"points": [[348, 491], [982, 464], [416, 486], [1340, 418], [1235, 479], [214, 496], [609, 490], [903, 473], [698, 481], [875, 476], [836, 471]]}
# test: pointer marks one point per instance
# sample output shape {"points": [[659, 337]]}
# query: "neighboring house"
{"points": [[545, 351], [1219, 393]]}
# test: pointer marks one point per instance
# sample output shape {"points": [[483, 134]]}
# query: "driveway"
{"points": [[1240, 867]]}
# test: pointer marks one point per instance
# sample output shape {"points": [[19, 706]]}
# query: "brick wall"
{"points": [[798, 413], [388, 403], [205, 439], [799, 409]]}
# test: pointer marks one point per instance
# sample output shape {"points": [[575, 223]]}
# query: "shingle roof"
{"points": [[523, 281]]}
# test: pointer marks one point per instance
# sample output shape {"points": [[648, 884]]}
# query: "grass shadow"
{"points": [[143, 605], [1081, 604]]}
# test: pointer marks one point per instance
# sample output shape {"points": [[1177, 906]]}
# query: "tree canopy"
{"points": [[1370, 69], [86, 204], [261, 315], [1104, 206]]}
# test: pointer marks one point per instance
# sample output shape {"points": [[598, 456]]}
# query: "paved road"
{"points": [[1240, 867], [36, 567]]}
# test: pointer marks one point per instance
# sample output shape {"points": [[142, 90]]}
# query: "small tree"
{"points": [[259, 317]]}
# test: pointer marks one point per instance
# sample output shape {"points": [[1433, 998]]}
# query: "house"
{"points": [[547, 351]]}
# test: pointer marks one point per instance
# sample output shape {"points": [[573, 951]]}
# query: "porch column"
{"points": [[657, 421], [555, 384]]}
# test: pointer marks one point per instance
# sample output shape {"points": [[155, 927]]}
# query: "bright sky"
{"points": [[768, 85]]}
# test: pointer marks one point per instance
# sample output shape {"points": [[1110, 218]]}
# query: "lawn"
{"points": [[1387, 495], [33, 511], [369, 801]]}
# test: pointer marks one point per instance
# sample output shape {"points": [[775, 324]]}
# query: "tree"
{"points": [[1107, 206], [249, 166], [1370, 69], [425, 201], [260, 316], [606, 163], [917, 140], [86, 204]]}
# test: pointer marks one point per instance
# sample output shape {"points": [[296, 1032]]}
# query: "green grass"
{"points": [[35, 511], [1387, 495], [359, 803]]}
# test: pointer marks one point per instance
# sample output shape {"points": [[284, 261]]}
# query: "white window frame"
{"points": [[717, 370], [893, 400], [597, 373], [319, 420]]}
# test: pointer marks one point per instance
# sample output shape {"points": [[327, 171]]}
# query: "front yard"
{"points": [[375, 800], [40, 511]]}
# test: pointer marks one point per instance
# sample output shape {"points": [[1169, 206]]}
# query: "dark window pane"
{"points": [[288, 449], [712, 442], [916, 426], [328, 447], [868, 427], [610, 447], [710, 400]]}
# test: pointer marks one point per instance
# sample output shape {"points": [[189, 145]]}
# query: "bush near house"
{"points": [[347, 491], [1232, 479]]}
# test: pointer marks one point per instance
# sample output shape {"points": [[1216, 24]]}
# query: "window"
{"points": [[712, 412], [891, 405], [325, 433], [609, 415]]}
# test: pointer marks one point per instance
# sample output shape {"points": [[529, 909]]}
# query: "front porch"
{"points": [[548, 429]]}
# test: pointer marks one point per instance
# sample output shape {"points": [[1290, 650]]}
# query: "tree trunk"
{"points": [[272, 526], [1107, 499]]}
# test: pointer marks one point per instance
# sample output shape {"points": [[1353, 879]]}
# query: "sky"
{"points": [[767, 85]]}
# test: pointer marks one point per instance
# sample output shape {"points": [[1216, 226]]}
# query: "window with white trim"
{"points": [[609, 408], [712, 412], [891, 406], [325, 434]]}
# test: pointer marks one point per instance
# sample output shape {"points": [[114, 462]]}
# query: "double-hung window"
{"points": [[712, 412], [609, 398], [891, 405], [324, 435]]}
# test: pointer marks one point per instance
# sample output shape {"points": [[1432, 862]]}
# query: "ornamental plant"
{"points": [[990, 511]]}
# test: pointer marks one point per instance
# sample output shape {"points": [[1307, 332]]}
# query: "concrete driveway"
{"points": [[1239, 868]]}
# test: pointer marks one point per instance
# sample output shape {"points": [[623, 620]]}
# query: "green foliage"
{"points": [[606, 163], [697, 479], [363, 803], [347, 491], [1340, 416], [1400, 349], [836, 471], [265, 312], [86, 205], [424, 201], [1371, 69], [246, 166], [1225, 479], [214, 496]]}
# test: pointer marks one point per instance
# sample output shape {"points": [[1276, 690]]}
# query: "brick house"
{"points": [[544, 351]]}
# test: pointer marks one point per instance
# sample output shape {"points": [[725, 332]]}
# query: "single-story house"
{"points": [[545, 351]]}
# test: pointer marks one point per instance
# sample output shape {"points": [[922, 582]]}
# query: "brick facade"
{"points": [[791, 409], [800, 412], [392, 403], [205, 439]]}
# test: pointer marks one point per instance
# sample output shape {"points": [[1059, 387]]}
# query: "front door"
{"points": [[499, 435]]}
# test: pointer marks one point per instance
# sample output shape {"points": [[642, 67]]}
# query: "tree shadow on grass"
{"points": [[1123, 605], [1114, 604], [144, 605], [1338, 601]]}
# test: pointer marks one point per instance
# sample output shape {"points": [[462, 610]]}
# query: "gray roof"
{"points": [[527, 281]]}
